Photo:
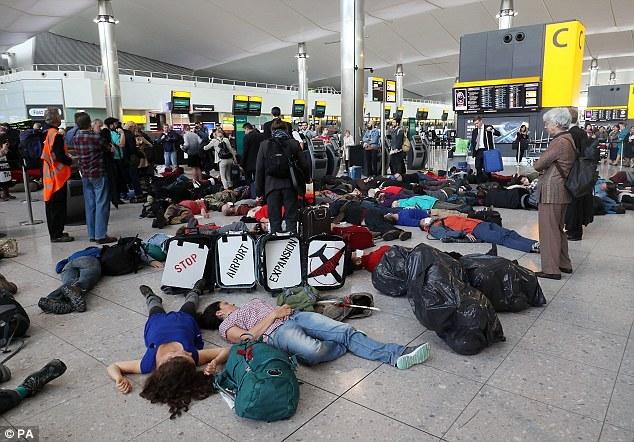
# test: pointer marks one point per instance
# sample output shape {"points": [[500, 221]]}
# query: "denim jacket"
{"points": [[372, 137]]}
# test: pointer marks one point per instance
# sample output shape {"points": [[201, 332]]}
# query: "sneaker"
{"points": [[199, 287], [106, 240], [63, 239], [535, 247], [55, 306], [554, 276], [8, 286], [36, 381], [391, 235], [404, 236], [413, 356], [75, 296]]}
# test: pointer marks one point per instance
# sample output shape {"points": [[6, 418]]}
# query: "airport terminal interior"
{"points": [[454, 257]]}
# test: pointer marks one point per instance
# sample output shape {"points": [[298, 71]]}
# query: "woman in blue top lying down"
{"points": [[174, 348]]}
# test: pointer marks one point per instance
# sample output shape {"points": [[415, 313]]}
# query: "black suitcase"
{"points": [[488, 215], [202, 241], [279, 261], [235, 261], [236, 175], [325, 262], [314, 220]]}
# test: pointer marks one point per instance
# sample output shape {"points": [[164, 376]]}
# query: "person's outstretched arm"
{"points": [[234, 334], [213, 357], [118, 370]]}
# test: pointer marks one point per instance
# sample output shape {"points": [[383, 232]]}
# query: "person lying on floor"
{"points": [[81, 272], [312, 337], [174, 348], [459, 229], [427, 202], [354, 212]]}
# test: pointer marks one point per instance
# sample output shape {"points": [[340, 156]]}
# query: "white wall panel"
{"points": [[43, 91], [12, 106]]}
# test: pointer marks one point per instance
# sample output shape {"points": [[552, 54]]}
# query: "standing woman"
{"points": [[225, 156], [521, 143], [554, 166], [348, 140]]}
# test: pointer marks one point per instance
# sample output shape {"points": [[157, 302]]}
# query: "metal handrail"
{"points": [[184, 77]]}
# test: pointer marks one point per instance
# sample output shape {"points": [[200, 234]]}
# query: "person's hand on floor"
{"points": [[156, 264], [214, 366], [124, 385], [471, 238]]}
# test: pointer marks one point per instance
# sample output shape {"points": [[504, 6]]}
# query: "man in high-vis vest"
{"points": [[56, 173]]}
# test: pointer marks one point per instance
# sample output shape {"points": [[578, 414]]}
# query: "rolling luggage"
{"points": [[354, 172], [279, 260], [235, 261], [325, 262], [189, 258], [314, 220], [493, 161], [236, 175], [355, 237]]}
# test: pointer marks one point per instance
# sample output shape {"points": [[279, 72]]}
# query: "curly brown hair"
{"points": [[176, 383]]}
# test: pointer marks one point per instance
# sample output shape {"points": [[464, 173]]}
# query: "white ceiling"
{"points": [[256, 39], [22, 19]]}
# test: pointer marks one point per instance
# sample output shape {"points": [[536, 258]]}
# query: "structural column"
{"points": [[352, 66], [109, 59], [594, 72], [399, 85], [506, 14], [302, 76]]}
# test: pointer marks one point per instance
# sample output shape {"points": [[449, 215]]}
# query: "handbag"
{"points": [[582, 177], [8, 248]]}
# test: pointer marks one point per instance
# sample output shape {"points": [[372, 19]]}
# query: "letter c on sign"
{"points": [[556, 39]]}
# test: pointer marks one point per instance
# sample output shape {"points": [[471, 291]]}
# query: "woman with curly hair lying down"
{"points": [[173, 341]]}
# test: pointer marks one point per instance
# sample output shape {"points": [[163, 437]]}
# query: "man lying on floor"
{"points": [[312, 337], [459, 229]]}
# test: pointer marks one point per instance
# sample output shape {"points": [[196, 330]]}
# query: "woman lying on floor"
{"points": [[174, 350]]}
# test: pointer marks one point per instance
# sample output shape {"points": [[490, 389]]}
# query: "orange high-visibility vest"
{"points": [[55, 174]]}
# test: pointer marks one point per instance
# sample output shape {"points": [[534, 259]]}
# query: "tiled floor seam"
{"points": [[309, 420], [616, 378], [558, 356], [485, 383]]}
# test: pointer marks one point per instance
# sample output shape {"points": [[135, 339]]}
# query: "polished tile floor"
{"points": [[565, 372]]}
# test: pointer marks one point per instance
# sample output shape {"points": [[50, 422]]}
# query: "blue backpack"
{"points": [[31, 148]]}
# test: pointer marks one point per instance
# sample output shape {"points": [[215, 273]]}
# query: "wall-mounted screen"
{"points": [[613, 114], [498, 98], [319, 111], [298, 109], [255, 108], [422, 115], [240, 105]]}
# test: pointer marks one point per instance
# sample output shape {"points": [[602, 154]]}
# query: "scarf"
{"points": [[279, 133]]}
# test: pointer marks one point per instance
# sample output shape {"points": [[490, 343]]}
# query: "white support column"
{"points": [[506, 14], [594, 72], [302, 76], [352, 66], [109, 59], [399, 85]]}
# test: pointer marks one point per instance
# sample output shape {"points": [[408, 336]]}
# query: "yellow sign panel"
{"points": [[630, 104], [320, 103], [135, 118], [254, 98], [298, 101], [181, 94], [241, 98], [498, 82], [563, 61]]}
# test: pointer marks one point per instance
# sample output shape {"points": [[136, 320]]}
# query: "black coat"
{"points": [[580, 212], [488, 138], [251, 142], [265, 184]]}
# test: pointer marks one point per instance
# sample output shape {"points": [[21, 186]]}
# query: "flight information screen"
{"points": [[498, 98], [612, 114]]}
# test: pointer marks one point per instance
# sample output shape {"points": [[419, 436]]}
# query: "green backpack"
{"points": [[261, 380]]}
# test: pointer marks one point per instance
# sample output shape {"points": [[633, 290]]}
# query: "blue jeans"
{"points": [[315, 338], [492, 233], [170, 158], [84, 271], [97, 202]]}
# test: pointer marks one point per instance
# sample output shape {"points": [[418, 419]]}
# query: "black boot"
{"points": [[36, 381]]}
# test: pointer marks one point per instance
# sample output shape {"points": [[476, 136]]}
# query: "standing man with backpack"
{"points": [[267, 128], [56, 172], [279, 160]]}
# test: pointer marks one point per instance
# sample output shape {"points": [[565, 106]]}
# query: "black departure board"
{"points": [[616, 114], [497, 98]]}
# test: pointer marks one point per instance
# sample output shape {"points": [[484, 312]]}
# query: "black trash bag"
{"points": [[443, 302], [475, 325], [390, 275], [509, 286]]}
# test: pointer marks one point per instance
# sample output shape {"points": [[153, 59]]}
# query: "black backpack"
{"points": [[14, 321], [122, 258], [277, 159], [488, 215], [224, 153]]}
